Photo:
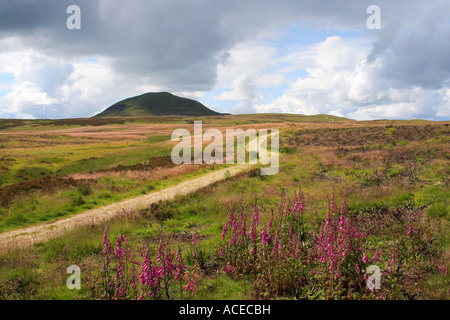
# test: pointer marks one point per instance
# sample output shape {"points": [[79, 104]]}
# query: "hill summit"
{"points": [[157, 104]]}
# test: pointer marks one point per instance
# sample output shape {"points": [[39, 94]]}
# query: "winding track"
{"points": [[26, 237]]}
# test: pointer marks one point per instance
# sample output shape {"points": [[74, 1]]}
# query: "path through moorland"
{"points": [[28, 236]]}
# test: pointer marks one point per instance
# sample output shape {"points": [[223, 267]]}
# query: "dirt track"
{"points": [[28, 236]]}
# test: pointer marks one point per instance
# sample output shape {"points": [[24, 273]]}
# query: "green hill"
{"points": [[157, 104]]}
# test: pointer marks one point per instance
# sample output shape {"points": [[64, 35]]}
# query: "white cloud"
{"points": [[23, 97], [250, 59], [243, 90], [247, 68], [344, 83], [46, 87]]}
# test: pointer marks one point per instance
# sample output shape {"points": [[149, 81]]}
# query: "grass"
{"points": [[161, 138], [110, 158], [382, 176], [39, 207]]}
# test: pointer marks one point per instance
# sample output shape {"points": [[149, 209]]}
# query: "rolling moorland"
{"points": [[349, 194]]}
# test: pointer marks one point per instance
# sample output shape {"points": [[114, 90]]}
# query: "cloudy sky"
{"points": [[237, 56]]}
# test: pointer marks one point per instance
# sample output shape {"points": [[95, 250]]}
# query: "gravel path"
{"points": [[28, 236]]}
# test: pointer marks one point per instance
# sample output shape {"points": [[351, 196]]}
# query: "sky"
{"points": [[234, 56]]}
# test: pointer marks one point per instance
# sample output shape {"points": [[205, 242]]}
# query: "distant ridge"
{"points": [[157, 104]]}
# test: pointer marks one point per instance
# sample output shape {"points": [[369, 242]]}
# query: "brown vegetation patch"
{"points": [[149, 173], [46, 184], [174, 237], [151, 169], [154, 162], [114, 132], [356, 136]]}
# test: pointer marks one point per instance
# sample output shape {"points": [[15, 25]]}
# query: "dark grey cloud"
{"points": [[416, 54], [178, 44]]}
